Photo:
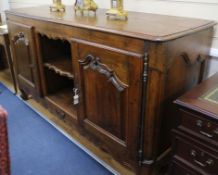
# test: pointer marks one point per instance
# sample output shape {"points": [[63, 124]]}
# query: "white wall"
{"points": [[206, 9], [4, 5]]}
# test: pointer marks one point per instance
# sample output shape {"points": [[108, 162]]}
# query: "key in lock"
{"points": [[76, 96]]}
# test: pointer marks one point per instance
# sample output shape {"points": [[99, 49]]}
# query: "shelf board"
{"points": [[63, 99], [60, 66]]}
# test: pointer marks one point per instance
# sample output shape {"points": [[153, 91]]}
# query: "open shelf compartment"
{"points": [[56, 56], [58, 75], [60, 93]]}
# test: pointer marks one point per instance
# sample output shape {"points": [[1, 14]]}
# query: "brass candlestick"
{"points": [[85, 5], [57, 6], [117, 9]]}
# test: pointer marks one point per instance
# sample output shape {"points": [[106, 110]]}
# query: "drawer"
{"points": [[178, 169], [199, 125], [196, 154]]}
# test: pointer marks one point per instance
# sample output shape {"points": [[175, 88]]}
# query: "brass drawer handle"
{"points": [[208, 162], [216, 131], [209, 135], [199, 123], [206, 134]]}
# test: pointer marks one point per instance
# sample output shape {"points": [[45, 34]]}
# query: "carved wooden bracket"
{"points": [[20, 38], [188, 60], [53, 36], [95, 64]]}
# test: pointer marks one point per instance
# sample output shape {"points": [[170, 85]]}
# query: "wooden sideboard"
{"points": [[115, 80], [195, 146], [5, 55]]}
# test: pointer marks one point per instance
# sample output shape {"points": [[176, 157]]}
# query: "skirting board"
{"points": [[104, 164]]}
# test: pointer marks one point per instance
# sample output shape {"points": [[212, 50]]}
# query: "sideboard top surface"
{"points": [[146, 26]]}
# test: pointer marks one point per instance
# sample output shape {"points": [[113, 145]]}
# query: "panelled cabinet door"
{"points": [[23, 49], [109, 89]]}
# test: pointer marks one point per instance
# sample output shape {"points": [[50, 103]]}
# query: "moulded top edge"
{"points": [[145, 26]]}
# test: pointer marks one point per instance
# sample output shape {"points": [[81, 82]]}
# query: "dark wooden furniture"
{"points": [[195, 148], [5, 55], [114, 80], [4, 147]]}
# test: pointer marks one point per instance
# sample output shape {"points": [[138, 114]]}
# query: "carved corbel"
{"points": [[53, 36], [20, 37], [94, 63], [188, 60]]}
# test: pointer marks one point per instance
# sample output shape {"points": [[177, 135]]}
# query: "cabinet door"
{"points": [[109, 87], [23, 49]]}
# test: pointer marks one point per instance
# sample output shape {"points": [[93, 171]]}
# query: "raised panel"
{"points": [[108, 96], [23, 50], [105, 97]]}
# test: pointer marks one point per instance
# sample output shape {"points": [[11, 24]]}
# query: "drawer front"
{"points": [[177, 169], [197, 155], [199, 125]]}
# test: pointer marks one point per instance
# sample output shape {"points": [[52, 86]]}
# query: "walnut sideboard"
{"points": [[115, 80]]}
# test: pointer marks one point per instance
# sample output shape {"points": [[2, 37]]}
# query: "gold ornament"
{"points": [[85, 5], [57, 6], [117, 10]]}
